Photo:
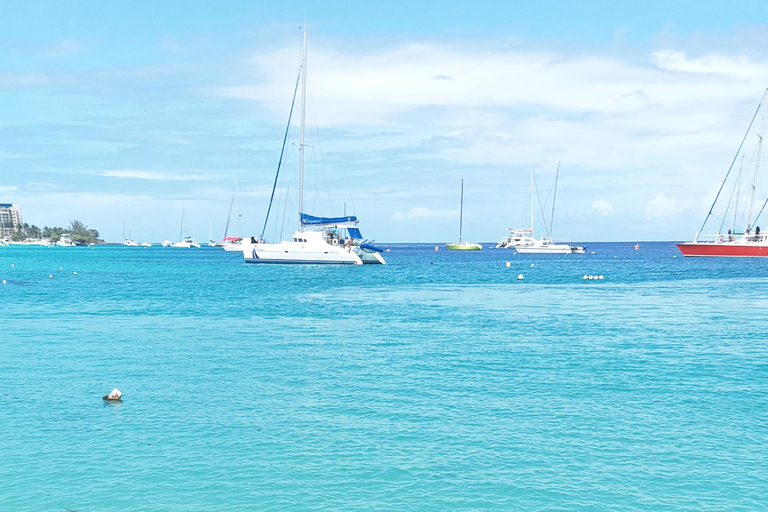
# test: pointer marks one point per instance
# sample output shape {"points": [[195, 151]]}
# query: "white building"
{"points": [[10, 217]]}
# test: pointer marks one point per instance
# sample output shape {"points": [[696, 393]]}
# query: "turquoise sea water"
{"points": [[436, 382]]}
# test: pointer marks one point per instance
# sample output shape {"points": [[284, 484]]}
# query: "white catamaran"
{"points": [[335, 240], [522, 240]]}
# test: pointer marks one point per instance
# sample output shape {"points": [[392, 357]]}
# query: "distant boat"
{"points": [[463, 246], [522, 240], [65, 241], [146, 244], [741, 239], [167, 243], [319, 240], [185, 242], [232, 243]]}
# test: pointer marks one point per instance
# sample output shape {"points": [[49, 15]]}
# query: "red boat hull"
{"points": [[724, 250]]}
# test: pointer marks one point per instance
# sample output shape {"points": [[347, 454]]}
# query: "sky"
{"points": [[125, 114]]}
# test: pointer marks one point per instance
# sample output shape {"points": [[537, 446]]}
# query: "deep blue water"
{"points": [[436, 382]]}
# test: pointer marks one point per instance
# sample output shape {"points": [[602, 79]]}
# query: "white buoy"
{"points": [[61, 268], [519, 277], [585, 277], [509, 264], [113, 396], [675, 256], [12, 265], [531, 265], [387, 250], [50, 276], [591, 277], [75, 272], [593, 252], [601, 276], [4, 282], [615, 257]]}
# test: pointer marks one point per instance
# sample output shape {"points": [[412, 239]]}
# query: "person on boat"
{"points": [[730, 235]]}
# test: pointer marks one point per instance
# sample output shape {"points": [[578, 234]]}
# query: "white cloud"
{"points": [[147, 175], [739, 66], [662, 207], [7, 188], [422, 212], [602, 207]]}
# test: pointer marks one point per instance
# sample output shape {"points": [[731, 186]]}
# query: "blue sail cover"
{"points": [[354, 233], [311, 220]]}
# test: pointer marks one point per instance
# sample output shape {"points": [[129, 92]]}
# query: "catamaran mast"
{"points": [[301, 143], [181, 229], [757, 169], [461, 211]]}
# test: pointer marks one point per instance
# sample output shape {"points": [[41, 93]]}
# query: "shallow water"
{"points": [[436, 382]]}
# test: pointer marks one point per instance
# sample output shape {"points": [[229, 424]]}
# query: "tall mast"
{"points": [[181, 229], [531, 191], [554, 197], [461, 211], [757, 169], [301, 143], [738, 187]]}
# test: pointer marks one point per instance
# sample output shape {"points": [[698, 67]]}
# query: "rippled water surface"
{"points": [[437, 382]]}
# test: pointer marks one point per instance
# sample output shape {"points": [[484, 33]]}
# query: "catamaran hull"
{"points": [[232, 247], [296, 253], [724, 250], [564, 249]]}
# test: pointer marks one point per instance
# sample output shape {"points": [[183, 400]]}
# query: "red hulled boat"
{"points": [[749, 243]]}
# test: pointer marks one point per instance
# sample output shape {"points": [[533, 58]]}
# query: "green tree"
{"points": [[77, 228]]}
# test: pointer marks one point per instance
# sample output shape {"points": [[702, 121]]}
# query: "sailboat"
{"points": [[232, 243], [185, 242], [318, 240], [463, 246], [522, 240], [738, 241]]}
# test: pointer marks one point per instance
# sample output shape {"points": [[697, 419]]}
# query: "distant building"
{"points": [[10, 218]]}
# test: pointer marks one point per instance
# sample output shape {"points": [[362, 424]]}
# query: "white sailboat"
{"points": [[522, 240], [463, 246], [232, 243], [318, 240], [185, 242]]}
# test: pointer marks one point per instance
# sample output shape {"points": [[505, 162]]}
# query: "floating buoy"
{"points": [[615, 257], [4, 281], [585, 277], [12, 265], [75, 272], [387, 250], [50, 276], [61, 268], [509, 264], [590, 277], [519, 277], [593, 252], [675, 256], [114, 396], [600, 276], [531, 265]]}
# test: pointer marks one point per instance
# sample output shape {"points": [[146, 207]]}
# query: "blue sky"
{"points": [[126, 112]]}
